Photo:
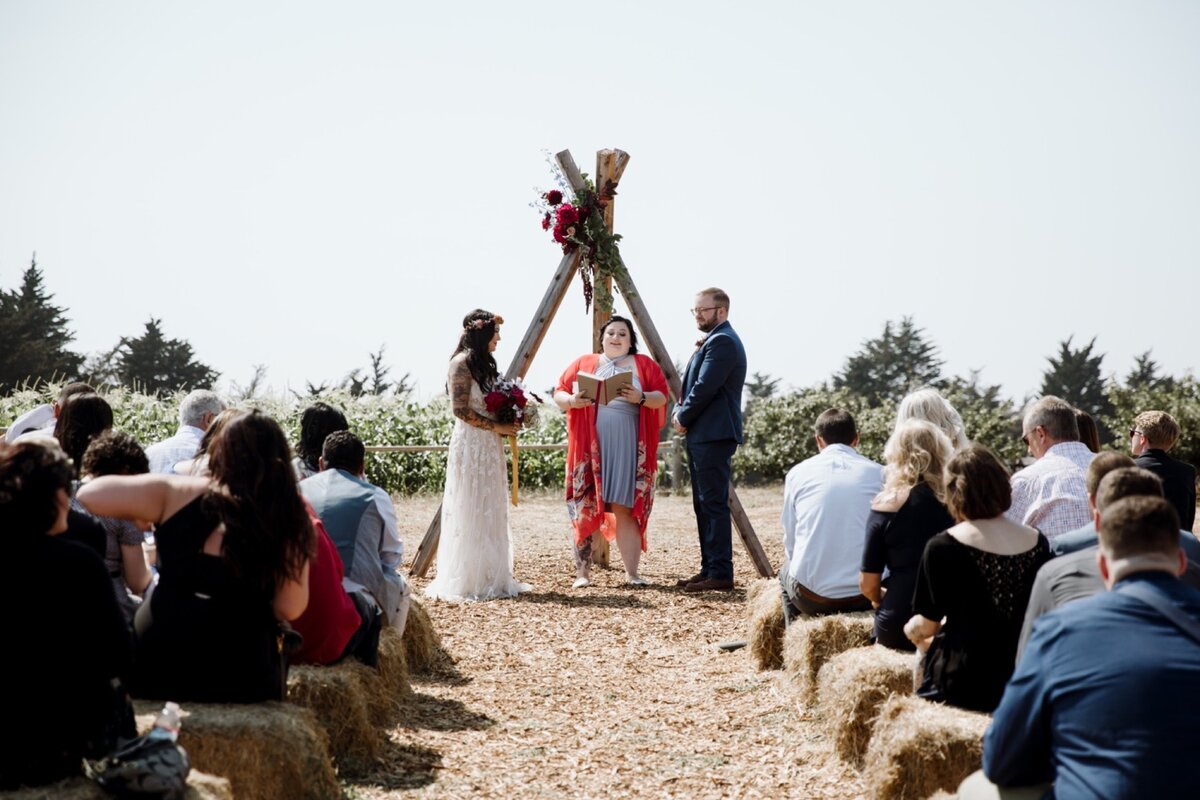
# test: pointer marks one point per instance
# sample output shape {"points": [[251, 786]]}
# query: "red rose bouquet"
{"points": [[508, 401]]}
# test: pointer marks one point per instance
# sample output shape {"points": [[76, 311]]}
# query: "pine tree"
{"points": [[1144, 375], [35, 335], [1074, 375], [761, 386], [154, 364], [890, 366]]}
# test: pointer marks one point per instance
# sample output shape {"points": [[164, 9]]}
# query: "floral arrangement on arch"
{"points": [[576, 220]]}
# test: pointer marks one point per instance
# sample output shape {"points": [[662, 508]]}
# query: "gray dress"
{"points": [[617, 435]]}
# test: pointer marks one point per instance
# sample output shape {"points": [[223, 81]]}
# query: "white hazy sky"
{"points": [[297, 183]]}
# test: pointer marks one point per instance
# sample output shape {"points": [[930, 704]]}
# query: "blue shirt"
{"points": [[1082, 538], [1103, 701]]}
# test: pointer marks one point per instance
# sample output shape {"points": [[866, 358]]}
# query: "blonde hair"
{"points": [[916, 451], [929, 405], [1160, 428]]}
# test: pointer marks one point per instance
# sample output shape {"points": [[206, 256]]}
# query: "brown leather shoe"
{"points": [[710, 585], [683, 582]]}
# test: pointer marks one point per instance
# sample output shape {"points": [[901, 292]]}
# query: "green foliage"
{"points": [[1144, 375], [1074, 375], [990, 420], [34, 335], [154, 364], [886, 368]]}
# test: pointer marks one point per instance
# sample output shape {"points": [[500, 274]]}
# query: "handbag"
{"points": [[150, 766]]}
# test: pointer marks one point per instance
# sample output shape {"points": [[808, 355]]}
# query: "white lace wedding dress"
{"points": [[475, 556]]}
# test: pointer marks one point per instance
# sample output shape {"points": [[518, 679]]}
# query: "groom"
{"points": [[710, 413]]}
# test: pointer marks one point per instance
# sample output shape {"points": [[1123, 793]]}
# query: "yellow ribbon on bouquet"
{"points": [[512, 442]]}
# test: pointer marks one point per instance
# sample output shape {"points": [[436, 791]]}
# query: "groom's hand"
{"points": [[675, 422]]}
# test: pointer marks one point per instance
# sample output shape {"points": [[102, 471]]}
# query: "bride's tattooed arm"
{"points": [[460, 397]]}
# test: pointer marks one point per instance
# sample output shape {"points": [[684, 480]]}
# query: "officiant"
{"points": [[612, 447]]}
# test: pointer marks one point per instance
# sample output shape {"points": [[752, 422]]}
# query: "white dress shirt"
{"points": [[1051, 493], [826, 501], [166, 454], [37, 421]]}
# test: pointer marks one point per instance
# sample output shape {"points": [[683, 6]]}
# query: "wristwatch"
{"points": [[642, 402]]}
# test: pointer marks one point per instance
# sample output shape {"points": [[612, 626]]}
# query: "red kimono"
{"points": [[584, 493]]}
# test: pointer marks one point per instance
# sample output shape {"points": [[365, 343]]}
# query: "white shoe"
{"points": [[581, 583], [636, 580]]}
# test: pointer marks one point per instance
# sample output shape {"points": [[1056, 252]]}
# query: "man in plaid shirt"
{"points": [[1051, 493]]}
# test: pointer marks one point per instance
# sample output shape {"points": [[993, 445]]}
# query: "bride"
{"points": [[475, 557]]}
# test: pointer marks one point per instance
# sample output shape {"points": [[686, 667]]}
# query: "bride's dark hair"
{"points": [[478, 329]]}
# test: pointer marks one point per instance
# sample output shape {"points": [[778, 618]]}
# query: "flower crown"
{"points": [[483, 322]]}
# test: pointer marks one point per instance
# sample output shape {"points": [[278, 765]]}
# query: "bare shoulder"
{"points": [[890, 500]]}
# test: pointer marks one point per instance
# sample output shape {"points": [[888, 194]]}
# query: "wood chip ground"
{"points": [[610, 691]]}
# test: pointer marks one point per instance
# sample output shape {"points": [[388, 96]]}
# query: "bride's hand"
{"points": [[506, 428]]}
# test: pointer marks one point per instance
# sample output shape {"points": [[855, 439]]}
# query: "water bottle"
{"points": [[166, 724]]}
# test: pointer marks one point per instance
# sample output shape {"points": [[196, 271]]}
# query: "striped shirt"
{"points": [[1051, 494]]}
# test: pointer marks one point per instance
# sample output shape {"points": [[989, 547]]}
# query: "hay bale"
{"points": [[920, 747], [200, 786], [345, 699], [266, 750], [393, 664], [764, 607], [812, 641], [851, 688], [422, 646]]}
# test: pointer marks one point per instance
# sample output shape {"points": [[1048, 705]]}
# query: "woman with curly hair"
{"points": [[475, 556], [233, 556], [905, 515]]}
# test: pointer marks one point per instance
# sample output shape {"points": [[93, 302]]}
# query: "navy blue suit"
{"points": [[711, 410], [1102, 702]]}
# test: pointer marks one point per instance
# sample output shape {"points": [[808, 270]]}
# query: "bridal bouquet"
{"points": [[508, 401]]}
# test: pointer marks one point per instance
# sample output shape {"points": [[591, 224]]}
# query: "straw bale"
{"points": [[266, 750], [346, 700], [812, 641], [764, 606], [200, 786], [920, 747], [422, 645], [393, 664], [852, 687]]}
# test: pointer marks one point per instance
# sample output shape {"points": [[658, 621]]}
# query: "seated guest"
{"points": [[335, 625], [1152, 435], [117, 453], [1051, 494], [83, 417], [929, 405], [316, 423], [233, 556], [65, 640], [361, 521], [826, 501], [976, 576], [196, 414], [1089, 434], [1077, 575], [904, 516], [1085, 536], [1100, 704], [40, 420], [198, 464]]}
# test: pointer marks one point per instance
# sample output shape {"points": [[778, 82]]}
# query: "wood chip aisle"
{"points": [[610, 691]]}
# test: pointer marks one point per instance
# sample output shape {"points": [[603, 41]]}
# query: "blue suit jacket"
{"points": [[711, 407]]}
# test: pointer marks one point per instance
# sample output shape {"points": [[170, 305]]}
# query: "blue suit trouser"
{"points": [[711, 466]]}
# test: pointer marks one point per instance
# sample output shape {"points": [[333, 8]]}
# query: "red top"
{"points": [[331, 617]]}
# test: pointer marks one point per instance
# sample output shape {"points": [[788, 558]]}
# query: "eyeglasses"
{"points": [[698, 311], [1025, 436], [1136, 432]]}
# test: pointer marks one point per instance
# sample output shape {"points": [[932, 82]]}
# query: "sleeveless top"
{"points": [[209, 636]]}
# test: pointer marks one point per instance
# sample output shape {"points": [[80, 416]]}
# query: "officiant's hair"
{"points": [[629, 325], [474, 342]]}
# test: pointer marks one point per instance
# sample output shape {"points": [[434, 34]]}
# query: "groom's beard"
{"points": [[708, 325]]}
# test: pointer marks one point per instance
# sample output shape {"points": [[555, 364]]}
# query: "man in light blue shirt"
{"points": [[827, 499]]}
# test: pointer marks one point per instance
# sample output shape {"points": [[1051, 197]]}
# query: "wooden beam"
{"points": [[637, 310]]}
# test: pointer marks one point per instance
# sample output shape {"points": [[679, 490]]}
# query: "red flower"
{"points": [[560, 234], [518, 398], [546, 222], [553, 197], [567, 215], [494, 401]]}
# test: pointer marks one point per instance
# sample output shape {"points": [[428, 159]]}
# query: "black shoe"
{"points": [[683, 582], [710, 585]]}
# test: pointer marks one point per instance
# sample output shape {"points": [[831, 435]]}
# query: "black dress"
{"points": [[983, 597], [896, 540], [210, 636]]}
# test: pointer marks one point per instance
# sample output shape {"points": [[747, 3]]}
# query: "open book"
{"points": [[602, 391]]}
